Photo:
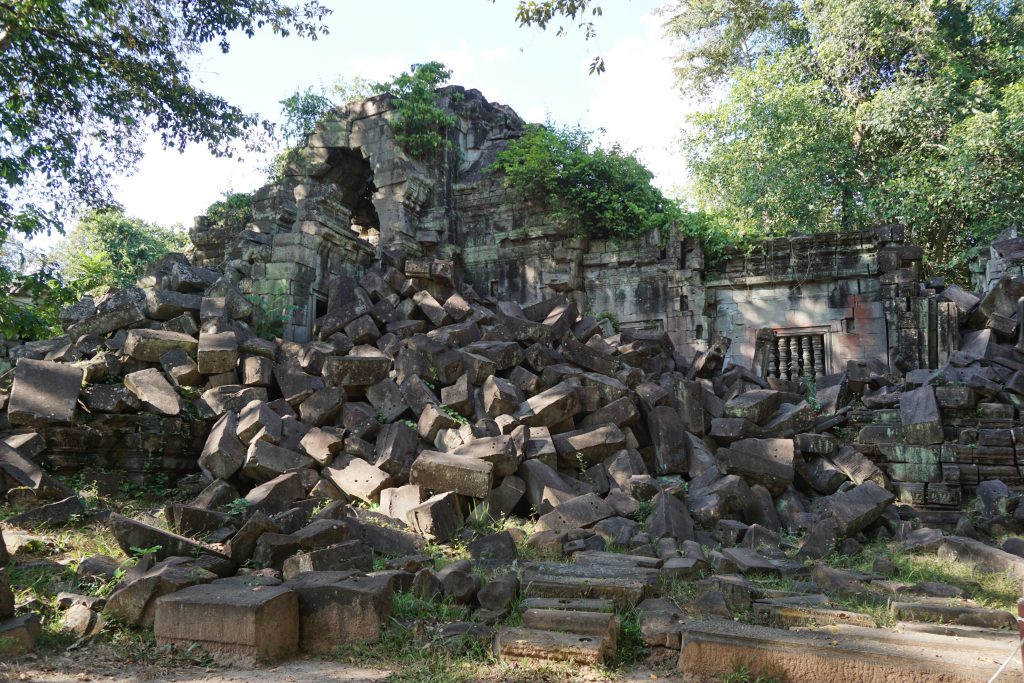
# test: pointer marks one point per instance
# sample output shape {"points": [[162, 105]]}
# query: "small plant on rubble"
{"points": [[237, 507], [741, 673], [454, 414], [811, 388], [270, 312]]}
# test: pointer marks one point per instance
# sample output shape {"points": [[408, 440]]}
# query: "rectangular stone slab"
{"points": [[44, 391], [709, 648], [525, 643], [445, 472], [235, 623]]}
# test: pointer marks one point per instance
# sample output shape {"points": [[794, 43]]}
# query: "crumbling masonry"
{"points": [[450, 353]]}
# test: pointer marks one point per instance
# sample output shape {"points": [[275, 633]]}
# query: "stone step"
{"points": [[624, 586], [528, 643], [953, 614], [985, 642], [601, 624], [569, 604], [599, 557], [786, 616], [709, 648]]}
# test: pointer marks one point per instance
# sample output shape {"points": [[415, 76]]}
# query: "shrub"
{"points": [[604, 193]]}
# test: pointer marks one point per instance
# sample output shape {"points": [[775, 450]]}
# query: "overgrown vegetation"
{"points": [[419, 122], [603, 193], [235, 208], [85, 83], [304, 109], [105, 249], [843, 114], [742, 673]]}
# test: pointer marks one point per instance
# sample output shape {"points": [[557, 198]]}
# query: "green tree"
{"points": [[32, 292], [304, 109], [81, 84], [839, 114], [106, 248], [419, 122], [605, 193], [843, 113]]}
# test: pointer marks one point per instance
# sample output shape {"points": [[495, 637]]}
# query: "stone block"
{"points": [[387, 399], [671, 444], [396, 449], [768, 462], [148, 345], [754, 405], [438, 518], [44, 391], [346, 556], [587, 447], [322, 407], [550, 407], [500, 396], [576, 513], [223, 454], [359, 479], [921, 417], [154, 391], [338, 608], [234, 622], [136, 602], [276, 495], [217, 353], [855, 509], [265, 461], [441, 472], [356, 371]]}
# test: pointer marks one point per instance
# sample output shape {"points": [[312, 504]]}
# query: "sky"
{"points": [[537, 73]]}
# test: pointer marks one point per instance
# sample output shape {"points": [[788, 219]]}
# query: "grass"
{"points": [[411, 646], [741, 673], [987, 589], [48, 567]]}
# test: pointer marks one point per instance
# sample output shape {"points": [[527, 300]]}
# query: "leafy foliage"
{"points": [[81, 86], [843, 114], [604, 193], [235, 208], [106, 248], [540, 14], [271, 312], [304, 109], [83, 82], [419, 122], [32, 293]]}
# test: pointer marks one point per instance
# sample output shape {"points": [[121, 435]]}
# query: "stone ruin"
{"points": [[450, 356]]}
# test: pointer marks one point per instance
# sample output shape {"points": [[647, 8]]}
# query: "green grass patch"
{"points": [[993, 590]]}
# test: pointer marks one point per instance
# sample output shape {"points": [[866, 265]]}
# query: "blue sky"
{"points": [[535, 72]]}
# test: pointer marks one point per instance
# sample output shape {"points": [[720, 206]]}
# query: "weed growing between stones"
{"points": [[741, 673]]}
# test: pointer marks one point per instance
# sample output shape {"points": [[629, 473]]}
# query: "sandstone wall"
{"points": [[117, 451]]}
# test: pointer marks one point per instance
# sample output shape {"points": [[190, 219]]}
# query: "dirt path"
{"points": [[96, 669], [66, 670]]}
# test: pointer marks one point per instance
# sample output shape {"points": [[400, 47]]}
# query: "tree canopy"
{"points": [[82, 83], [107, 249], [840, 114], [604, 193]]}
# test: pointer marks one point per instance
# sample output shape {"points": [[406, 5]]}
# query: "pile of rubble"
{"points": [[421, 407]]}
